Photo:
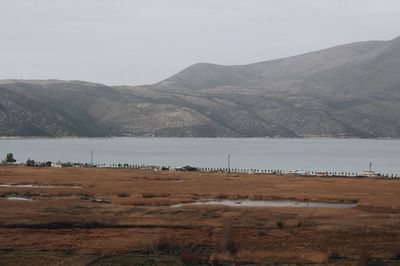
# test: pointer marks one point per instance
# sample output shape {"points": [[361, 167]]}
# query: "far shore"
{"points": [[163, 137]]}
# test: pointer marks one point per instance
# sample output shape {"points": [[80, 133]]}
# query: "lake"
{"points": [[315, 154]]}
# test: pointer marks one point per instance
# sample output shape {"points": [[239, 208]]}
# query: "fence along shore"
{"points": [[188, 168]]}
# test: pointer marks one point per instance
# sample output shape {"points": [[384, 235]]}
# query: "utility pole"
{"points": [[370, 167], [229, 162], [91, 157]]}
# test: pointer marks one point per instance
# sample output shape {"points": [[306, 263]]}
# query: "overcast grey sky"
{"points": [[135, 42]]}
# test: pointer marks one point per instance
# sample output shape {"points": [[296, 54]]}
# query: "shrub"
{"points": [[151, 195], [70, 252], [261, 233], [280, 223], [299, 224], [210, 232], [165, 245], [10, 158], [124, 195], [222, 196]]}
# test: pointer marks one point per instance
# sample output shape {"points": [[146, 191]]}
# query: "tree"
{"points": [[30, 162], [10, 158]]}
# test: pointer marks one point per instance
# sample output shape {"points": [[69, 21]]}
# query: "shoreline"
{"points": [[153, 137], [211, 170]]}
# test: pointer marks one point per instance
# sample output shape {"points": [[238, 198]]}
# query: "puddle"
{"points": [[269, 203], [36, 186], [101, 200], [18, 198], [95, 199], [26, 186]]}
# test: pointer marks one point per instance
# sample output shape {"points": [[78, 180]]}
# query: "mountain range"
{"points": [[351, 90]]}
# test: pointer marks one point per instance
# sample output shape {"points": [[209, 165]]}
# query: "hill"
{"points": [[350, 90]]}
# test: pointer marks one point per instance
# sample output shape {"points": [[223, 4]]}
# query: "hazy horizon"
{"points": [[133, 42]]}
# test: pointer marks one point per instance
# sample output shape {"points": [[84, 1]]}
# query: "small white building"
{"points": [[369, 173], [57, 164]]}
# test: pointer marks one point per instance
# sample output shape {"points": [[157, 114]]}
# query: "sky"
{"points": [[136, 42]]}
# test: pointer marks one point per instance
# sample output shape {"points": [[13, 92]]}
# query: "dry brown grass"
{"points": [[139, 215]]}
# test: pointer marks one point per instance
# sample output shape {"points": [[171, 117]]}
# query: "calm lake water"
{"points": [[269, 203], [348, 155]]}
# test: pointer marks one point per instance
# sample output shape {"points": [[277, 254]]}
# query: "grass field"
{"points": [[101, 216]]}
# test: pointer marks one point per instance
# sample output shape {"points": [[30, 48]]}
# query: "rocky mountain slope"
{"points": [[351, 90]]}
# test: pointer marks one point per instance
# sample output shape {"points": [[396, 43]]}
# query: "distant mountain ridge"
{"points": [[351, 90]]}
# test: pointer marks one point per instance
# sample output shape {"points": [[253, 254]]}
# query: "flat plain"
{"points": [[108, 216]]}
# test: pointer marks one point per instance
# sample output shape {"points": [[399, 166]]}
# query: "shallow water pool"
{"points": [[270, 203]]}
